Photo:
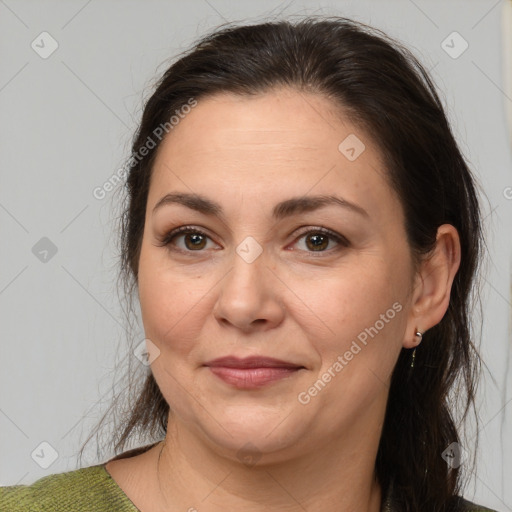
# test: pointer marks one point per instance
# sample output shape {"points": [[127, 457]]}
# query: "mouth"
{"points": [[252, 372]]}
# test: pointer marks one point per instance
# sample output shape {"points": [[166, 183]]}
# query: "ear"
{"points": [[433, 284]]}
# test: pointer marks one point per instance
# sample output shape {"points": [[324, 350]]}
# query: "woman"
{"points": [[303, 234]]}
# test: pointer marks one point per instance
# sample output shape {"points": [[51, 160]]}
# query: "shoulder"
{"points": [[88, 489], [463, 505]]}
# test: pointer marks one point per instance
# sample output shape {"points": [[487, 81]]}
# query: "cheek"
{"points": [[361, 314], [352, 298], [171, 302]]}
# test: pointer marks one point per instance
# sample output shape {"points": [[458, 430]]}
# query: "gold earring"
{"points": [[419, 335]]}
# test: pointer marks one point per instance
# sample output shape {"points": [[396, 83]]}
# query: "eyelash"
{"points": [[184, 230]]}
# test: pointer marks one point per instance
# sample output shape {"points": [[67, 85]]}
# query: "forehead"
{"points": [[273, 122], [269, 146]]}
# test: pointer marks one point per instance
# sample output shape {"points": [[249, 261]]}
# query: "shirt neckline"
{"points": [[385, 507], [115, 487]]}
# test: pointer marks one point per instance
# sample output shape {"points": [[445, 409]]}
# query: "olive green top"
{"points": [[89, 489]]}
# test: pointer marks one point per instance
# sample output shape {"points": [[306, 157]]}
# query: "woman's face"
{"points": [[254, 278]]}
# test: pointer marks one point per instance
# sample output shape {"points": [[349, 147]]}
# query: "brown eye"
{"points": [[317, 241], [186, 239], [194, 241], [320, 240]]}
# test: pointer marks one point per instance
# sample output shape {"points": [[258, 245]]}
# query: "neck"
{"points": [[337, 475]]}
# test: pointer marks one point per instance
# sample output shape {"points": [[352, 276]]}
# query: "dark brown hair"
{"points": [[383, 89]]}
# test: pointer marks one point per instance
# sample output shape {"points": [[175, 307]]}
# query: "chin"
{"points": [[258, 436]]}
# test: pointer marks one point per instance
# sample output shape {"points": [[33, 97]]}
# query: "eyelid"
{"points": [[325, 231], [182, 230]]}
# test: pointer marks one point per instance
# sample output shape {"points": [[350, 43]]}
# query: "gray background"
{"points": [[67, 121]]}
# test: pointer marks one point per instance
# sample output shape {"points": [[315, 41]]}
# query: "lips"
{"points": [[251, 372], [250, 362]]}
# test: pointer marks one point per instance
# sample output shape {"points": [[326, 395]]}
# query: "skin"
{"points": [[290, 303]]}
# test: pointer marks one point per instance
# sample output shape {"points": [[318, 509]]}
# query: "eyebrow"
{"points": [[287, 208]]}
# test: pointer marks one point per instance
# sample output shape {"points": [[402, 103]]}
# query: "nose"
{"points": [[249, 297]]}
